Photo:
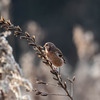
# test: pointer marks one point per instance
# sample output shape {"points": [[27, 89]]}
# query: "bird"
{"points": [[54, 55]]}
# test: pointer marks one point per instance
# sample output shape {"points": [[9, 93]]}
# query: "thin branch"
{"points": [[46, 83], [41, 93]]}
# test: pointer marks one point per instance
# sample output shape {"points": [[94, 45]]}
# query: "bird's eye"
{"points": [[46, 45], [60, 55]]}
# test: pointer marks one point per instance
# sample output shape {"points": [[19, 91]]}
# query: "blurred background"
{"points": [[73, 26]]}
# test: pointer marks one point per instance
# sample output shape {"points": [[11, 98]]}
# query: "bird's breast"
{"points": [[54, 59]]}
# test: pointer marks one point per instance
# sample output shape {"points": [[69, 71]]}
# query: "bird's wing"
{"points": [[60, 54]]}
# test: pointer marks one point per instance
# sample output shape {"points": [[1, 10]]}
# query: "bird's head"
{"points": [[49, 45]]}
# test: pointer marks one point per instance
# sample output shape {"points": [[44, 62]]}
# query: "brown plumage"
{"points": [[54, 55]]}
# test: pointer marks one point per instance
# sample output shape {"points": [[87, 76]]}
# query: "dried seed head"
{"points": [[38, 92], [73, 78], [39, 56], [45, 62], [17, 32], [32, 44], [19, 29], [27, 34], [22, 37], [4, 26], [2, 18], [65, 84], [33, 37], [8, 22], [40, 82]]}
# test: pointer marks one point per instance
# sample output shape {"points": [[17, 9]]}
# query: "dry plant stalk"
{"points": [[7, 25]]}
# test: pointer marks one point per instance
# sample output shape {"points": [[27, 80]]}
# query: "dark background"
{"points": [[58, 18]]}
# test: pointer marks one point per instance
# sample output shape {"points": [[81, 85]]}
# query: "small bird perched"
{"points": [[54, 55]]}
